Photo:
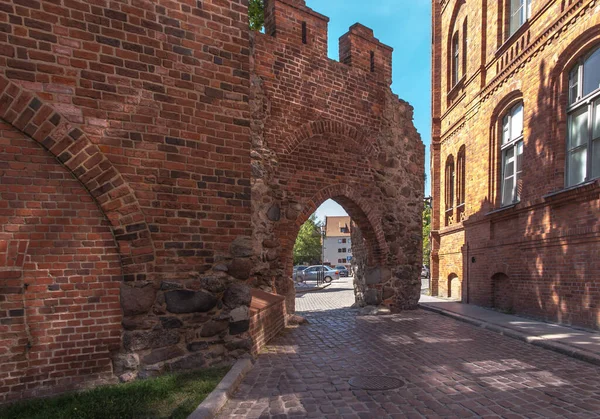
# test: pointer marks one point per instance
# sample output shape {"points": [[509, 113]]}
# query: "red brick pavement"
{"points": [[456, 371]]}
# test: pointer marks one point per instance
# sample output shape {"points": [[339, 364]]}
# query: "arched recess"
{"points": [[502, 293], [42, 122], [359, 210], [323, 127], [454, 287]]}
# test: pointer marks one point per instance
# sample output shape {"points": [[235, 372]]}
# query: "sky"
{"points": [[405, 25]]}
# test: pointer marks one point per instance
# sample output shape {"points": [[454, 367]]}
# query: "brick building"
{"points": [[156, 162], [516, 156]]}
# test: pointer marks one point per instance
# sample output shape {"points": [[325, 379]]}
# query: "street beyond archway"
{"points": [[451, 369]]}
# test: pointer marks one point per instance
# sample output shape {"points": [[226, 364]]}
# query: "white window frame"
{"points": [[577, 104], [524, 13], [513, 143]]}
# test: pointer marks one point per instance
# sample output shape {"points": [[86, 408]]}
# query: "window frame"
{"points": [[591, 101], [449, 182], [525, 15], [455, 63], [512, 143]]}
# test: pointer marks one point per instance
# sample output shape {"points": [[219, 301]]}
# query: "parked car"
{"points": [[312, 273], [297, 269], [425, 272], [344, 273]]}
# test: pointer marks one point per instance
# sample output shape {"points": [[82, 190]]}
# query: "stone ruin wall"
{"points": [[325, 129]]}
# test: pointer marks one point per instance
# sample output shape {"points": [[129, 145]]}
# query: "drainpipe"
{"points": [[467, 272]]}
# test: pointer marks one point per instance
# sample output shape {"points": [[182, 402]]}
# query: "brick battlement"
{"points": [[292, 23]]}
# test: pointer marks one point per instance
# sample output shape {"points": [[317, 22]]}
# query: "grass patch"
{"points": [[169, 396]]}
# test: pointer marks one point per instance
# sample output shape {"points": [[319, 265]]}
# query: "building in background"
{"points": [[515, 156], [337, 246]]}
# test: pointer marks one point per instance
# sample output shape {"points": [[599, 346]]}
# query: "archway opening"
{"points": [[350, 241]]}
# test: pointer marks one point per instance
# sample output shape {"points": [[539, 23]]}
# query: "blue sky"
{"points": [[405, 25]]}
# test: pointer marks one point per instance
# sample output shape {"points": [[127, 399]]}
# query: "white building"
{"points": [[337, 246]]}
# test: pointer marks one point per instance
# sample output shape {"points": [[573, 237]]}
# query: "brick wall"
{"points": [[145, 106], [547, 244]]}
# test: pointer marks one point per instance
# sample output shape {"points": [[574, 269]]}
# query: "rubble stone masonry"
{"points": [[156, 162], [541, 256]]}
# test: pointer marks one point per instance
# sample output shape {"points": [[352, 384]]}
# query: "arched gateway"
{"points": [[163, 169]]}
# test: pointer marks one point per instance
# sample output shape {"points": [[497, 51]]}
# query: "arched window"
{"points": [[455, 58], [520, 11], [449, 191], [583, 126], [460, 184], [512, 155]]}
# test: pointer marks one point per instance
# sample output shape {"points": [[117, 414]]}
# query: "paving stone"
{"points": [[451, 369]]}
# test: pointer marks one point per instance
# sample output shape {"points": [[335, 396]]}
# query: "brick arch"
{"points": [[360, 211], [323, 127], [42, 122]]}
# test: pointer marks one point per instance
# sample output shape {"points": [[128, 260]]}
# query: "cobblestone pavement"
{"points": [[340, 294], [451, 369]]}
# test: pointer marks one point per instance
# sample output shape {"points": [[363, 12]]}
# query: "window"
{"points": [[339, 240], [344, 241], [455, 59], [449, 191], [583, 123], [460, 184], [512, 155], [520, 11]]}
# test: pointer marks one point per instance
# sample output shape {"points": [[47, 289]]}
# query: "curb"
{"points": [[215, 401], [313, 289], [561, 348]]}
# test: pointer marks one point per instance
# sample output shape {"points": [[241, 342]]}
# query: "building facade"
{"points": [[337, 246], [516, 156]]}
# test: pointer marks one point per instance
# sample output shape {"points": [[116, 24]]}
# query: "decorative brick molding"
{"points": [[69, 144]]}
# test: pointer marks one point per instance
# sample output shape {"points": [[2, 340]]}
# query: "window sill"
{"points": [[571, 191], [512, 39], [502, 209], [457, 87]]}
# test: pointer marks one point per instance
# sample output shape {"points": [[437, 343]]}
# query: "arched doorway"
{"points": [[454, 287]]}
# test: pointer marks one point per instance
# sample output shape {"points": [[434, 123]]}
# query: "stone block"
{"points": [[185, 301]]}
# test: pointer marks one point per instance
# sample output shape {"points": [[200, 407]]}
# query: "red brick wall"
{"points": [[546, 245], [60, 274], [267, 318], [145, 103]]}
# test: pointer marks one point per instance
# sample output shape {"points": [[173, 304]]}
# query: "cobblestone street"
{"points": [[451, 369]]}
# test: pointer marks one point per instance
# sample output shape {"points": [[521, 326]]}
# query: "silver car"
{"points": [[312, 273]]}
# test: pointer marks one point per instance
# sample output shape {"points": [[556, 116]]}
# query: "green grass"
{"points": [[168, 396]]}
